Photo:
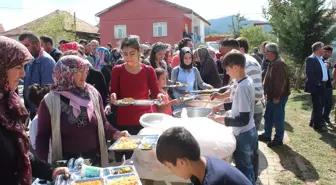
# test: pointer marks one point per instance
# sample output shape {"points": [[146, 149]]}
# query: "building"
{"points": [[151, 20], [83, 29]]}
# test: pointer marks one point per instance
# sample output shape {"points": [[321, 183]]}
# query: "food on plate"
{"points": [[147, 146], [130, 180], [89, 182], [127, 100], [125, 170], [129, 139], [125, 145], [122, 170]]}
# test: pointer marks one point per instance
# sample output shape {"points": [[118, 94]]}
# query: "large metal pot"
{"points": [[202, 103], [193, 112]]}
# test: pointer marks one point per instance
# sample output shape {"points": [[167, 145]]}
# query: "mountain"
{"points": [[221, 25]]}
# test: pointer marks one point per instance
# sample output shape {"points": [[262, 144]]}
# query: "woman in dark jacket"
{"points": [[17, 164], [208, 68]]}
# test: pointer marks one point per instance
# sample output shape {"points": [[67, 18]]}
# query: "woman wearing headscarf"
{"points": [[187, 74], [102, 58], [208, 71], [72, 116], [17, 164]]}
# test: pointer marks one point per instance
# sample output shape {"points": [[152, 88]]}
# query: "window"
{"points": [[120, 31], [160, 29]]}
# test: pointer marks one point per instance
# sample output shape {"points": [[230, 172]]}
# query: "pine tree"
{"points": [[298, 24]]}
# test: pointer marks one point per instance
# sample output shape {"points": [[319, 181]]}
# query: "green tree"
{"points": [[298, 24], [57, 26], [256, 35], [238, 22]]}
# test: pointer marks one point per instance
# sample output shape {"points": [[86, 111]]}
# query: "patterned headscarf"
{"points": [[12, 111], [102, 57], [63, 76]]}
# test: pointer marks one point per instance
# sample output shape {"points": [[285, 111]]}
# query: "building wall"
{"points": [[139, 16]]}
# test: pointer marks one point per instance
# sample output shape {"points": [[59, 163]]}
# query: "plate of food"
{"points": [[125, 102], [126, 143], [93, 181], [176, 85], [205, 91], [119, 170], [125, 179], [148, 142], [188, 98], [143, 102]]}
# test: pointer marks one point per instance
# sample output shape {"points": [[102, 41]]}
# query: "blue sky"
{"points": [[14, 13]]}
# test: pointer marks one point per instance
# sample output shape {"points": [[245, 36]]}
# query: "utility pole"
{"points": [[74, 27]]}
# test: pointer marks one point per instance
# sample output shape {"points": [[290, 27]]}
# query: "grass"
{"points": [[310, 157]]}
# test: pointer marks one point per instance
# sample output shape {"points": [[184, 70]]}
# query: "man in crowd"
{"points": [[47, 45], [265, 62], [87, 51], [329, 90], [39, 70], [317, 77], [226, 45], [276, 85]]}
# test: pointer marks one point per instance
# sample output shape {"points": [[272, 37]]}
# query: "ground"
{"points": [[309, 157]]}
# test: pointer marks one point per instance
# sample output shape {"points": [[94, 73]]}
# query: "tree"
{"points": [[298, 24], [57, 26], [237, 24], [256, 35]]}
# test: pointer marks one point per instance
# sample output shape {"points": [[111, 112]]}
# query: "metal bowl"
{"points": [[193, 112], [202, 103]]}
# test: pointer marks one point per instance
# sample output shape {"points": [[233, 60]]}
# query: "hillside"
{"points": [[221, 25]]}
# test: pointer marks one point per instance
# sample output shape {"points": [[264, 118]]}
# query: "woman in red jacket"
{"points": [[132, 80]]}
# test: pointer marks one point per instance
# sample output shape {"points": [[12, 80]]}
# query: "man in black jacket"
{"points": [[317, 77], [328, 101]]}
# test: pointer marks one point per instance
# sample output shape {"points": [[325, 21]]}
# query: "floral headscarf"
{"points": [[64, 84], [102, 57], [12, 111], [63, 76]]}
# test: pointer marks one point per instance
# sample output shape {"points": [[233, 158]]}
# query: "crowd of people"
{"points": [[71, 93]]}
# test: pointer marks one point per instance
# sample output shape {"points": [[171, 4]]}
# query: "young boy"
{"points": [[179, 151], [166, 107], [241, 115]]}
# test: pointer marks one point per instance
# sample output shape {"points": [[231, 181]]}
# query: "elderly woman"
{"points": [[132, 80], [208, 69], [17, 164], [72, 116]]}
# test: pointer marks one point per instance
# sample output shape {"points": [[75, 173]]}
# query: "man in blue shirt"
{"points": [[179, 151], [39, 70]]}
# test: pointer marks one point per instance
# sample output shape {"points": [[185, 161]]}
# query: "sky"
{"points": [[14, 13]]}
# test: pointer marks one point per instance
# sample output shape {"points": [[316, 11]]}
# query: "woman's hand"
{"points": [[61, 171], [160, 96], [119, 134], [108, 109], [113, 98]]}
